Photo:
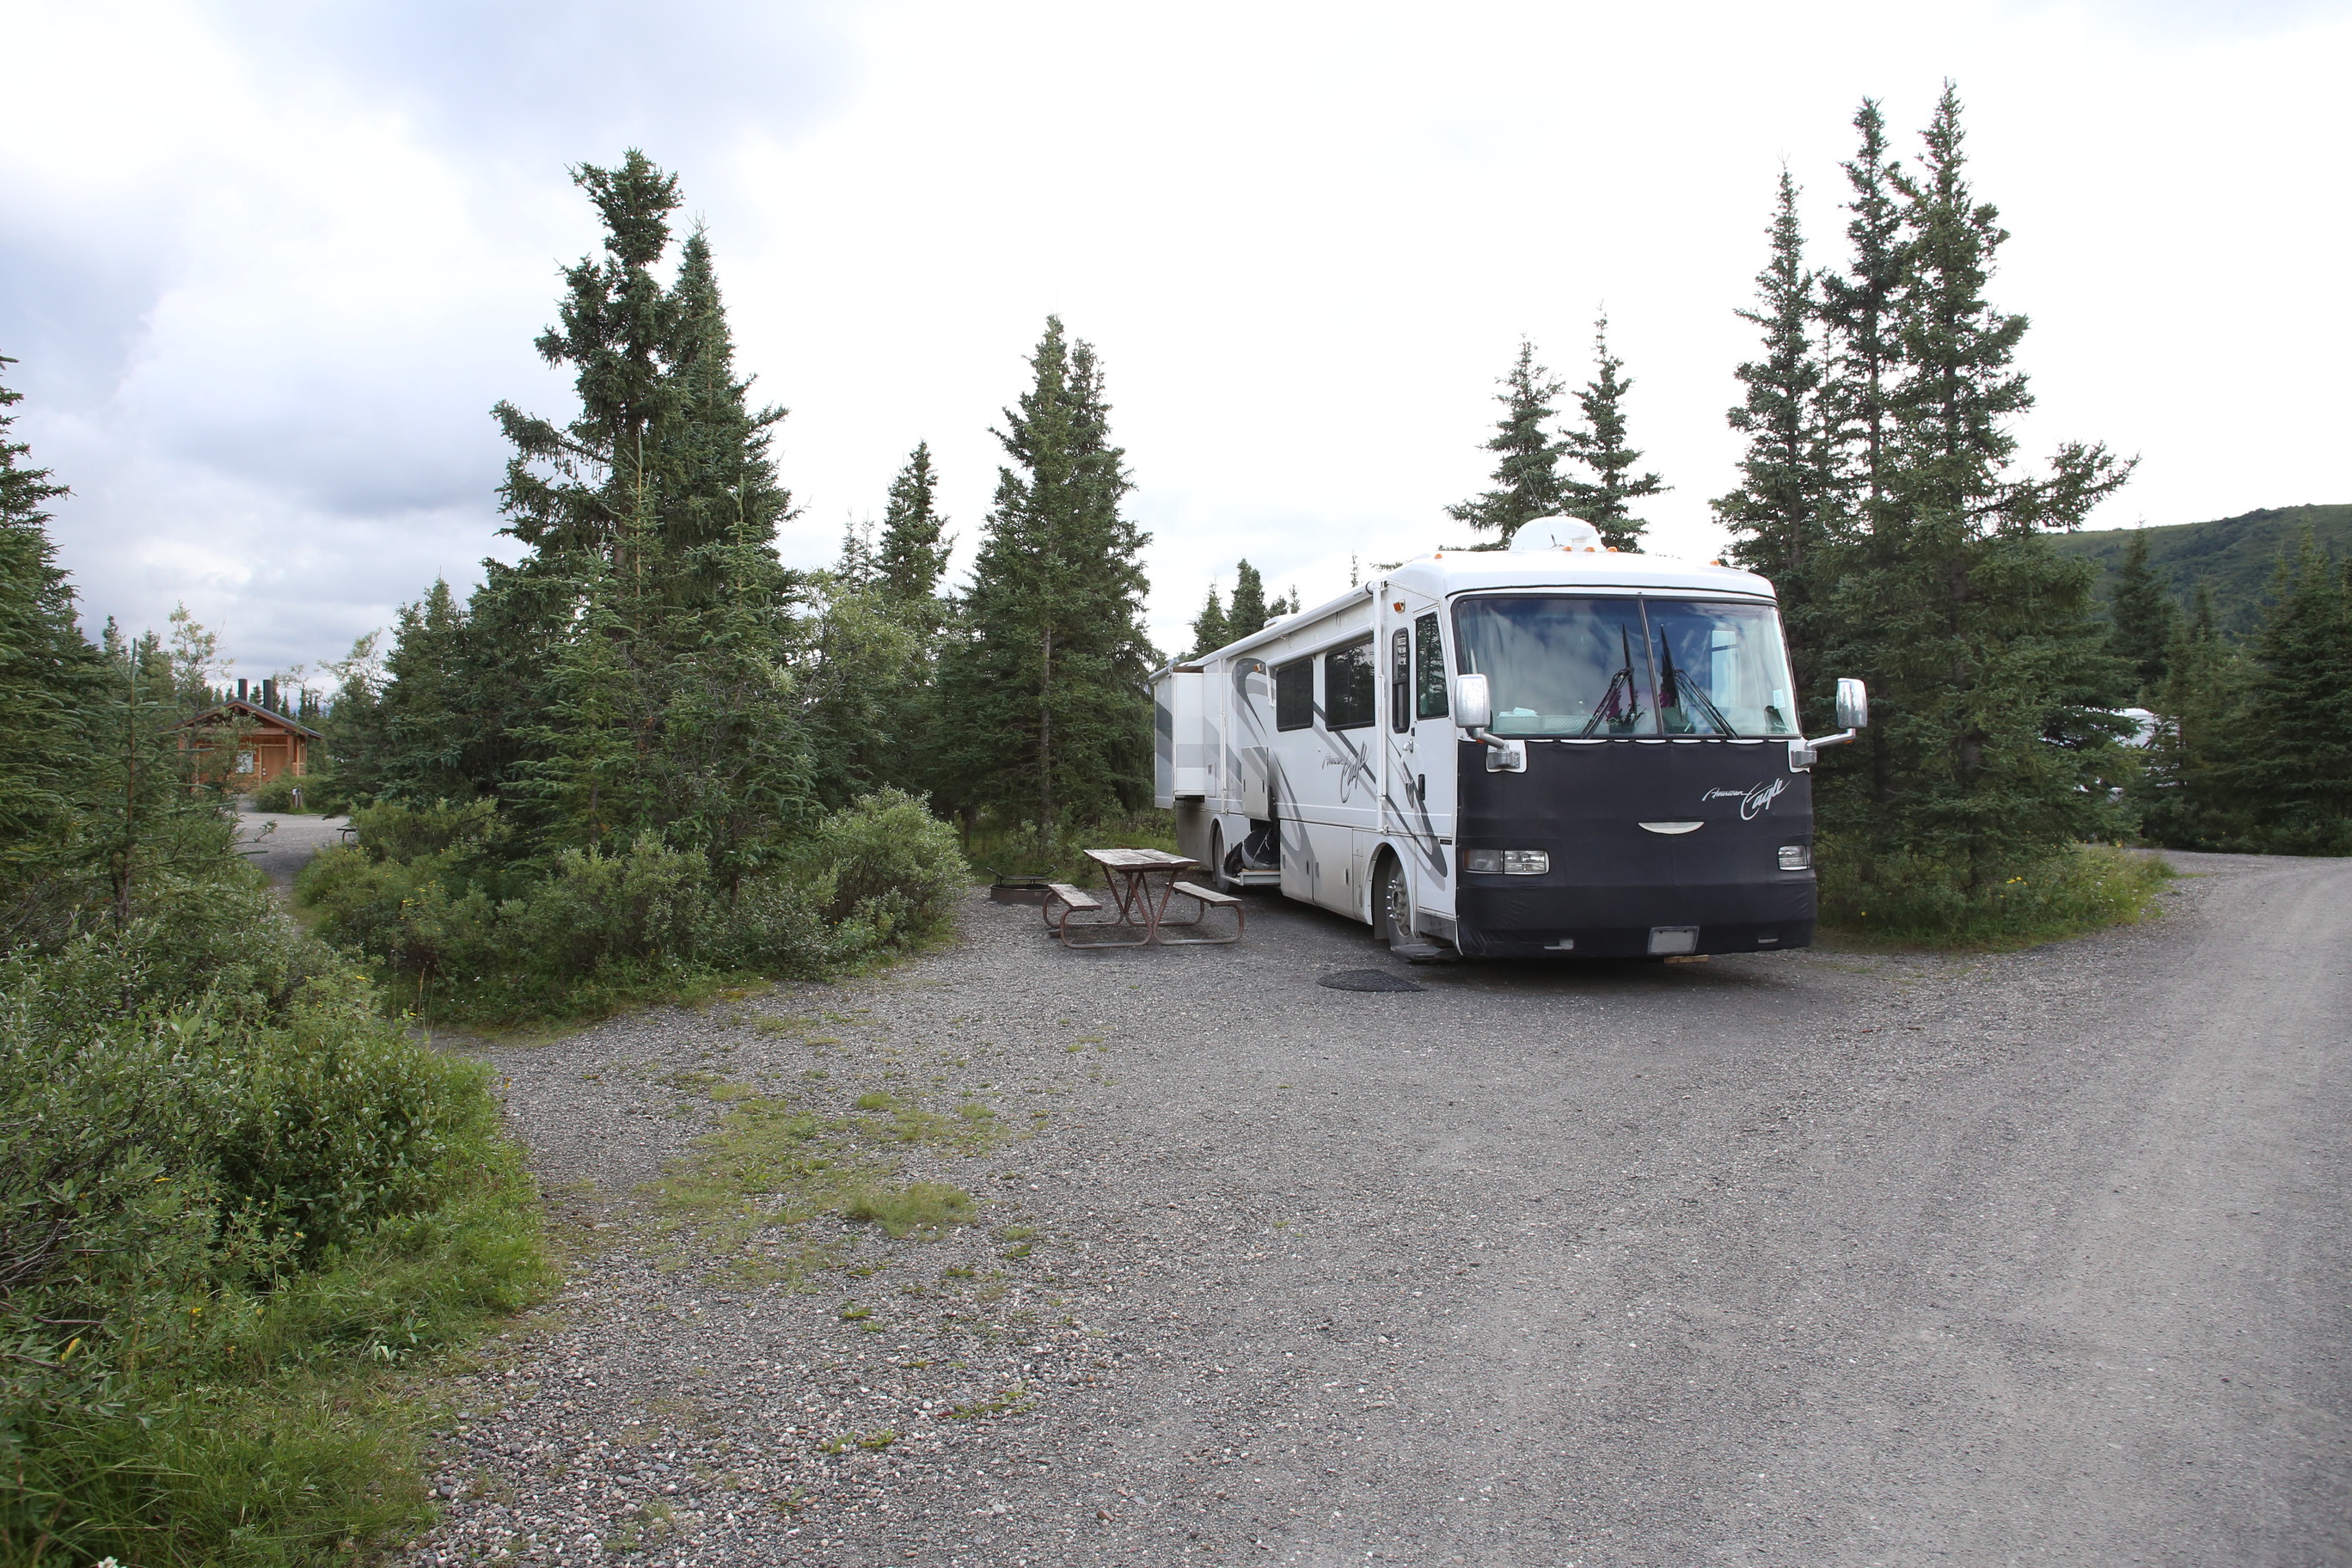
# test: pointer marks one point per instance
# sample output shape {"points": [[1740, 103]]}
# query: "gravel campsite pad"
{"points": [[1805, 1257]]}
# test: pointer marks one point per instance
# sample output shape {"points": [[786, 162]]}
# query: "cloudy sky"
{"points": [[267, 266]]}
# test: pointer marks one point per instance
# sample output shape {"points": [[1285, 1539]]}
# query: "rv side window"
{"points": [[1428, 668], [1294, 695], [1350, 700], [1401, 683]]}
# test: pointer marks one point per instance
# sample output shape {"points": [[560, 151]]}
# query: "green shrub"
{"points": [[320, 795], [888, 862], [421, 897], [278, 794], [651, 904], [231, 1195], [1913, 899]]}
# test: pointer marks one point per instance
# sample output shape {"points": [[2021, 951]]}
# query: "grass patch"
{"points": [[1911, 901], [775, 1163], [928, 1207]]}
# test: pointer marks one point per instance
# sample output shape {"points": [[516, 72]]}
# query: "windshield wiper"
{"points": [[1671, 688], [1620, 691]]}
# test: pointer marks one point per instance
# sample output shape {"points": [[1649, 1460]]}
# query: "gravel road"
{"points": [[281, 843], [1808, 1259]]}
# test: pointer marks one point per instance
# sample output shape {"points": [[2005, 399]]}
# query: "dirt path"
{"points": [[1803, 1259]]}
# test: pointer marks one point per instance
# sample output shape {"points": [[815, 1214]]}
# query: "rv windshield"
{"points": [[1595, 667]]}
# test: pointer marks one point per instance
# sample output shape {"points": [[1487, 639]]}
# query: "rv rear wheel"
{"points": [[1217, 877]]}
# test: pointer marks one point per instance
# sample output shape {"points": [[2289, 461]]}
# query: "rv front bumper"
{"points": [[1498, 921]]}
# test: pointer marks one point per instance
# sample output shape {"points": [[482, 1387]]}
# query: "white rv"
{"points": [[1553, 750]]}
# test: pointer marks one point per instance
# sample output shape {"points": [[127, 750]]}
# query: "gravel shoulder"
{"points": [[1804, 1258]]}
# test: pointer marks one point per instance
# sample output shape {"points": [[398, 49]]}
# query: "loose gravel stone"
{"points": [[1815, 1257]]}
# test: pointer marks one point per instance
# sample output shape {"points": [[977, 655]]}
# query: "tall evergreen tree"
{"points": [[2293, 771], [913, 555], [631, 674], [2187, 799], [1044, 707], [358, 743], [426, 707], [2144, 621], [1249, 611], [1599, 444], [1980, 637], [869, 669], [48, 672], [570, 489], [99, 799], [1785, 516], [1210, 629], [1859, 311], [1527, 474]]}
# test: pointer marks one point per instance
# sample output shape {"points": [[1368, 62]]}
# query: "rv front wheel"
{"points": [[1392, 903]]}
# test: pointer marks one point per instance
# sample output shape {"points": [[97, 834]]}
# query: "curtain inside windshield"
{"points": [[1596, 668]]}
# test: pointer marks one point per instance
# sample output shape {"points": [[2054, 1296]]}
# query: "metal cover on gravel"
{"points": [[1368, 980]]}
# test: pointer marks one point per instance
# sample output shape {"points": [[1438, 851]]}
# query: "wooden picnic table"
{"points": [[1127, 874]]}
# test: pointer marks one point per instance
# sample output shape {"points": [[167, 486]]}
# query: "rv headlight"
{"points": [[1507, 862], [1796, 857]]}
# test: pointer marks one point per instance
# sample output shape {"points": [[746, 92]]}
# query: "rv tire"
{"points": [[1218, 876], [1392, 903]]}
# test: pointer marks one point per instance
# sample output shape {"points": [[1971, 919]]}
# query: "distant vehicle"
{"points": [[1553, 750]]}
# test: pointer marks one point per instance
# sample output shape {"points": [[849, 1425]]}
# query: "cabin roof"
{"points": [[238, 708]]}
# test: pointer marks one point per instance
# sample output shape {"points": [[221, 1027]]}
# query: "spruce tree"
{"points": [[1249, 612], [2294, 771], [913, 555], [1599, 444], [569, 487], [630, 675], [2143, 619], [358, 743], [1859, 311], [1211, 630], [1527, 474], [1045, 712], [48, 676], [2188, 798], [1991, 747], [1785, 516], [426, 709], [869, 659]]}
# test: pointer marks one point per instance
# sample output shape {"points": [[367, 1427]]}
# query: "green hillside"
{"points": [[2233, 555]]}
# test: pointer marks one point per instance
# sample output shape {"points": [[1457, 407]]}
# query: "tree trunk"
{"points": [[1046, 743]]}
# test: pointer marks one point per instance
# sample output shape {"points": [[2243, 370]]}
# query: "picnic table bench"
{"points": [[1136, 916]]}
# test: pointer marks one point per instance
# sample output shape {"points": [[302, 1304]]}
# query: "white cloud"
{"points": [[269, 266]]}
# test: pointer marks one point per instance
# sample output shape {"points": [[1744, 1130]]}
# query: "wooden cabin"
{"points": [[243, 745]]}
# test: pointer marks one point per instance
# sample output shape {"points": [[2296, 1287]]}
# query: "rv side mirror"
{"points": [[1474, 705], [1853, 705]]}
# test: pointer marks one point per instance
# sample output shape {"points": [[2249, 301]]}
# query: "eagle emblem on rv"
{"points": [[1751, 800]]}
